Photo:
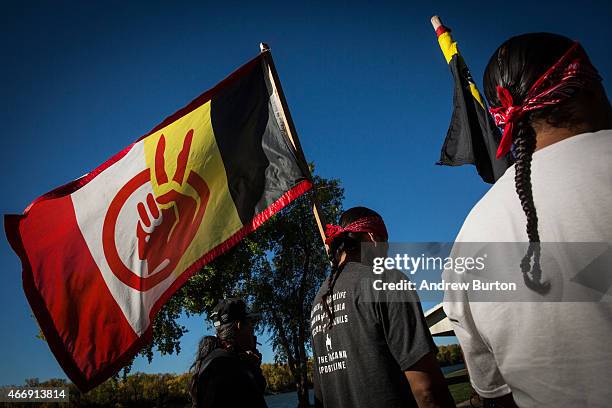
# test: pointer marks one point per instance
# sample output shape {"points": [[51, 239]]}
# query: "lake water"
{"points": [[286, 400], [289, 399], [451, 368]]}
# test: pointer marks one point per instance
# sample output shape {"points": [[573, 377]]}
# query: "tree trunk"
{"points": [[302, 336], [301, 373], [302, 366], [298, 364], [302, 385], [302, 392]]}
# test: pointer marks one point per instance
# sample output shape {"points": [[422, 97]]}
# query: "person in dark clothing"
{"points": [[371, 349], [226, 372]]}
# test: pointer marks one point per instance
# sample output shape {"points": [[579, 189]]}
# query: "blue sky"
{"points": [[366, 83]]}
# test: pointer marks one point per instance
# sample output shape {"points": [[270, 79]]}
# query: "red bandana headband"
{"points": [[568, 75], [372, 224]]}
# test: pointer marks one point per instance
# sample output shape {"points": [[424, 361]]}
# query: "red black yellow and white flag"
{"points": [[472, 136], [103, 253]]}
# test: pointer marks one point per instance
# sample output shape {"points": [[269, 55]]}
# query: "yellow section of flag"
{"points": [[449, 49], [190, 185]]}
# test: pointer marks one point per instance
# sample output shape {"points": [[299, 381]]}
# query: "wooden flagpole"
{"points": [[288, 128]]}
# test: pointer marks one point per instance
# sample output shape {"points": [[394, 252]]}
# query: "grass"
{"points": [[461, 391], [457, 373]]}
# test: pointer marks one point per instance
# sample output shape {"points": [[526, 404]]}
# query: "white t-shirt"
{"points": [[548, 354]]}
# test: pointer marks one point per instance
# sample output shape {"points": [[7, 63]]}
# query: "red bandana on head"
{"points": [[566, 77], [372, 224]]}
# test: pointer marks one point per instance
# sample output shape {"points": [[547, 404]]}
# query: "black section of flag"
{"points": [[472, 136], [259, 164]]}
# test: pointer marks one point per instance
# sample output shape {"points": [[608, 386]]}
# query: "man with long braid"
{"points": [[549, 99], [370, 350]]}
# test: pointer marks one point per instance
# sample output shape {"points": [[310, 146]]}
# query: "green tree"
{"points": [[455, 354], [286, 277], [449, 354]]}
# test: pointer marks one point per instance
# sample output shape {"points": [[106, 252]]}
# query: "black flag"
{"points": [[472, 136]]}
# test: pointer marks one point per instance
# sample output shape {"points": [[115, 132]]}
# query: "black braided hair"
{"points": [[524, 145], [516, 65], [331, 281], [348, 243]]}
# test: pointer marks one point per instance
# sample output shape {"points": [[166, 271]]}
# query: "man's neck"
{"points": [[344, 259], [549, 136]]}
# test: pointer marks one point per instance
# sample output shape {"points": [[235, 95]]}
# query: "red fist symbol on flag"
{"points": [[167, 224]]}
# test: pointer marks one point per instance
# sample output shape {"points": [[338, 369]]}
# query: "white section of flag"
{"points": [[91, 203]]}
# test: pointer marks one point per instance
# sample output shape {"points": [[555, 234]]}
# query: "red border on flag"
{"points": [[43, 316]]}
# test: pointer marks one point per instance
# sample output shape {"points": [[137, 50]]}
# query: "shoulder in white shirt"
{"points": [[545, 353]]}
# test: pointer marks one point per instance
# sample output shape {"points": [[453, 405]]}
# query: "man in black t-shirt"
{"points": [[371, 348]]}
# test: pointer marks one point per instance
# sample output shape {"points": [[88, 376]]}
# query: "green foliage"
{"points": [[136, 390], [171, 390], [155, 390], [279, 377], [449, 355]]}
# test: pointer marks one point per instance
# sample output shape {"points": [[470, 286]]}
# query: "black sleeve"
{"points": [[212, 387], [403, 324]]}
